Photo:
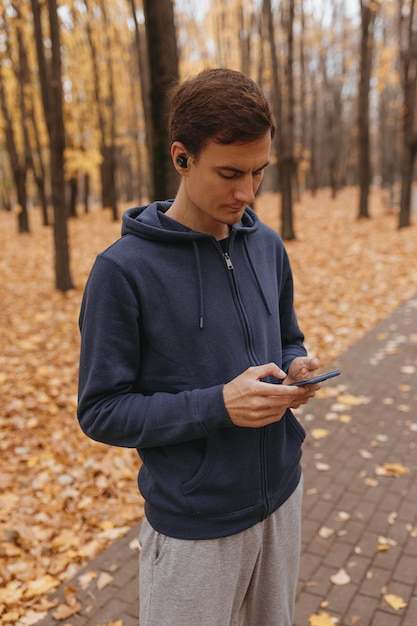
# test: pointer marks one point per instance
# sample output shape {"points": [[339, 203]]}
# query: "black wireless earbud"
{"points": [[182, 161]]}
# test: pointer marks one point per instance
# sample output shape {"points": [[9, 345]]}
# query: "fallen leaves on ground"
{"points": [[325, 532], [104, 580], [340, 578], [319, 433], [391, 469], [385, 543], [394, 601], [63, 497], [322, 619]]}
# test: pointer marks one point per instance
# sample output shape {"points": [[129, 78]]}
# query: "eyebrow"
{"points": [[236, 170]]}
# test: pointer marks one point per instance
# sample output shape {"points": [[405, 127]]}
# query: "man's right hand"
{"points": [[252, 403]]}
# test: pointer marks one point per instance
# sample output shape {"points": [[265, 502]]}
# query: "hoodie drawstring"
{"points": [[200, 284], [264, 298]]}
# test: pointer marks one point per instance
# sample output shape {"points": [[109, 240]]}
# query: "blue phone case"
{"points": [[317, 379]]}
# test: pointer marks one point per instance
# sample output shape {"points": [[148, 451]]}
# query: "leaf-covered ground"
{"points": [[63, 498]]}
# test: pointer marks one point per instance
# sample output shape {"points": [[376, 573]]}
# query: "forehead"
{"points": [[249, 155]]}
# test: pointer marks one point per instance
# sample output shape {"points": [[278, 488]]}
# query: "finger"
{"points": [[313, 364], [279, 391], [267, 369]]}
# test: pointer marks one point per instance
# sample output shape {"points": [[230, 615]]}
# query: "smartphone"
{"points": [[317, 379]]}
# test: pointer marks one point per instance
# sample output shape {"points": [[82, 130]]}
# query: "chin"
{"points": [[236, 216]]}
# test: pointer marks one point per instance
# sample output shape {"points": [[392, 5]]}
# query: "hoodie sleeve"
{"points": [[110, 409]]}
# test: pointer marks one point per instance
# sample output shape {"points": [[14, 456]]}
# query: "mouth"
{"points": [[237, 209]]}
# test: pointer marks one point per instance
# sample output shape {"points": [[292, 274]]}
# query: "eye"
{"points": [[228, 176], [231, 174]]}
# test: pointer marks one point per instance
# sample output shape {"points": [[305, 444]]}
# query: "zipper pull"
{"points": [[228, 261]]}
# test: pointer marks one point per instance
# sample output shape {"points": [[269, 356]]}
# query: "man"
{"points": [[189, 346]]}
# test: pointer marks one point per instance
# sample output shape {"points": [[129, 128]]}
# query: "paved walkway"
{"points": [[360, 504]]}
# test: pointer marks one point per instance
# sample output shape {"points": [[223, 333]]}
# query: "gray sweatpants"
{"points": [[249, 578]]}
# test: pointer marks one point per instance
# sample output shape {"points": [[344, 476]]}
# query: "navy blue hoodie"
{"points": [[168, 317]]}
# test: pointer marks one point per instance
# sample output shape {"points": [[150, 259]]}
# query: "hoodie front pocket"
{"points": [[229, 478]]}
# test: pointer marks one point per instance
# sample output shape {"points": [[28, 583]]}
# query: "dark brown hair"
{"points": [[221, 105]]}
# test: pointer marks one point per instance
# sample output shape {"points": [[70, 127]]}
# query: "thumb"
{"points": [[313, 363], [269, 369]]}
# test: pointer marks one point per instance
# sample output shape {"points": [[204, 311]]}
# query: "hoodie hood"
{"points": [[150, 222]]}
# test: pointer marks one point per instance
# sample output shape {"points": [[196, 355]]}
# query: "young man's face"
{"points": [[221, 183]]}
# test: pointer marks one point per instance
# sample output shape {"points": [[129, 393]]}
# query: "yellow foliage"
{"points": [[80, 161]]}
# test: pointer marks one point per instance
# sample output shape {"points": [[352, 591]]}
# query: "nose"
{"points": [[245, 190]]}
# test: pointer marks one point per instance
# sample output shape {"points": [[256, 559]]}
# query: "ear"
{"points": [[180, 157]]}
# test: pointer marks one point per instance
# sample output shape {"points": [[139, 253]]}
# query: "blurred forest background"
{"points": [[83, 108], [83, 135]]}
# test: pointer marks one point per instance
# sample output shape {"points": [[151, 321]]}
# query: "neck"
{"points": [[182, 213]]}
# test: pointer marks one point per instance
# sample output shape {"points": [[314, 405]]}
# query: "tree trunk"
{"points": [[287, 154], [109, 148], [18, 163], [86, 192], [5, 202], [333, 106], [108, 179], [285, 119], [334, 74], [368, 14], [409, 131], [73, 193], [286, 172], [22, 211], [388, 125], [106, 124], [314, 179], [283, 142], [163, 63], [38, 166], [145, 86], [51, 89], [18, 170], [57, 142], [244, 39]]}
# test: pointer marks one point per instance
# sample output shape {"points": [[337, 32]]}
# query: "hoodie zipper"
{"points": [[245, 323], [228, 260], [262, 441]]}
